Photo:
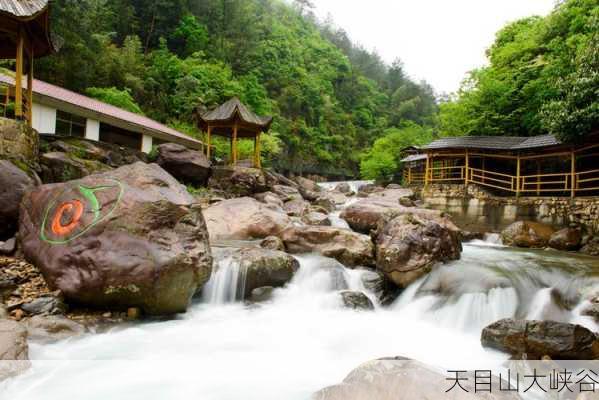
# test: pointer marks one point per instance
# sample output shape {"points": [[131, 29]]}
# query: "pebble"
{"points": [[133, 313]]}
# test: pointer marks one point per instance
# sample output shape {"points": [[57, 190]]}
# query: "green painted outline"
{"points": [[89, 194]]}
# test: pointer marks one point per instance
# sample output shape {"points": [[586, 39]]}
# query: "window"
{"points": [[121, 137], [69, 124]]}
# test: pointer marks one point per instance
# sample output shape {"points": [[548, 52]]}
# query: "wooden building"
{"points": [[24, 36], [234, 120], [507, 165]]}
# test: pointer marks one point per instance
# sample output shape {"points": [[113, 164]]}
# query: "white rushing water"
{"points": [[303, 339]]}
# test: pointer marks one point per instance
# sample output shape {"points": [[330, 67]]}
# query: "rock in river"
{"points": [[126, 238], [408, 246], [535, 339], [356, 300], [566, 239], [527, 234], [14, 350], [186, 165], [350, 248], [53, 328], [242, 219]]}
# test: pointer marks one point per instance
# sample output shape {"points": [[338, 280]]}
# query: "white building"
{"points": [[62, 112]]}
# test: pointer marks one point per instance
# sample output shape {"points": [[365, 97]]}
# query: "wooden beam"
{"points": [[19, 76], [573, 174], [427, 171], [467, 164], [518, 176]]}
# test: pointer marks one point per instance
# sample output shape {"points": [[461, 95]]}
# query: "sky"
{"points": [[437, 40]]}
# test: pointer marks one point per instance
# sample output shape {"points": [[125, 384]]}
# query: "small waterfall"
{"points": [[354, 185], [227, 283]]}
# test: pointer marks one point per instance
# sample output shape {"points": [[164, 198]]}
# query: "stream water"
{"points": [[303, 339]]}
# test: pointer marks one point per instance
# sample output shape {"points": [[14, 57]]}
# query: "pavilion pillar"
{"points": [[538, 178], [427, 171], [518, 176], [573, 174], [208, 136], [409, 175], [467, 167], [257, 161], [234, 145], [30, 89], [19, 75]]}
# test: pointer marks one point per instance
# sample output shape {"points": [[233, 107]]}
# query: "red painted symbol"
{"points": [[70, 212]]}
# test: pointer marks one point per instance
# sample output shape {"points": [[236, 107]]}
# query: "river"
{"points": [[303, 339]]}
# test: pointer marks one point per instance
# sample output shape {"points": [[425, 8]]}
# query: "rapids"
{"points": [[303, 339]]}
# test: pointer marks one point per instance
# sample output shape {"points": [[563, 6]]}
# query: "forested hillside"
{"points": [[331, 99], [542, 77]]}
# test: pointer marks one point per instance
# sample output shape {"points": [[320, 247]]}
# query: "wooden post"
{"points": [[19, 76], [467, 163], [538, 178], [30, 89], [518, 176], [426, 172], [208, 137], [257, 161], [234, 150], [573, 174], [409, 175]]}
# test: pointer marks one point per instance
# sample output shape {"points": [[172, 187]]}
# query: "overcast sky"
{"points": [[438, 40]]}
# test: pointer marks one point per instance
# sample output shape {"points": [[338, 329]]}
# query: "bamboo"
{"points": [[19, 76]]}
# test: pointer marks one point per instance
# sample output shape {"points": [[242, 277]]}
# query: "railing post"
{"points": [[426, 172], [19, 75], [466, 178], [518, 176], [573, 174], [30, 89]]}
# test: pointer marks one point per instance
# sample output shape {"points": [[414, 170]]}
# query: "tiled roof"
{"points": [[414, 157], [23, 8], [493, 142], [227, 110], [75, 99]]}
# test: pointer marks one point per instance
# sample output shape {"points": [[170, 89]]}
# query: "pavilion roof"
{"points": [[493, 142], [224, 117], [35, 15]]}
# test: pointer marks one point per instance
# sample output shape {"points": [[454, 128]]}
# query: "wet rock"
{"points": [[14, 183], [468, 236], [406, 202], [535, 339], [316, 218], [8, 247], [591, 248], [52, 328], [14, 350], [47, 304], [326, 202], [261, 294], [350, 248], [238, 181], [592, 310], [187, 166], [307, 184], [262, 267], [242, 219], [568, 239], [343, 187], [527, 234], [401, 378], [63, 167], [287, 193], [356, 300], [272, 243], [270, 199], [368, 189], [127, 238], [296, 207], [376, 282], [408, 246]]}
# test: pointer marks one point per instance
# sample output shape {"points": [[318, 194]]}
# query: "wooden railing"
{"points": [[492, 179], [7, 103]]}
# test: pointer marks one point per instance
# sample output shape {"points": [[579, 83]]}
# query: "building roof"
{"points": [[34, 14], [46, 93], [414, 157], [493, 142], [234, 111]]}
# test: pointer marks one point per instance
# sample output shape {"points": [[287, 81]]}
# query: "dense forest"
{"points": [[338, 108], [331, 98]]}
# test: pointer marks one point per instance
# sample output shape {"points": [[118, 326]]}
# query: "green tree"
{"points": [[116, 97]]}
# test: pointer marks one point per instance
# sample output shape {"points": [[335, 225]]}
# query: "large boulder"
{"points": [[262, 267], [408, 246], [238, 181], [287, 193], [19, 143], [316, 218], [188, 166], [535, 339], [566, 239], [62, 167], [307, 184], [14, 183], [127, 238], [296, 207], [14, 350], [400, 378], [350, 248], [527, 234], [273, 201], [242, 219], [380, 286]]}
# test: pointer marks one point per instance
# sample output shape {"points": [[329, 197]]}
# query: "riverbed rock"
{"points": [[19, 144], [316, 218], [527, 234], [3, 311], [238, 181], [46, 304], [244, 218], [273, 201], [287, 193], [296, 207], [127, 238], [14, 350], [350, 248], [408, 246], [378, 284], [567, 239], [399, 378], [355, 300], [307, 184], [14, 183], [535, 339], [52, 328], [188, 166], [591, 247], [326, 202], [8, 247], [62, 167], [343, 187], [261, 294], [272, 243]]}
